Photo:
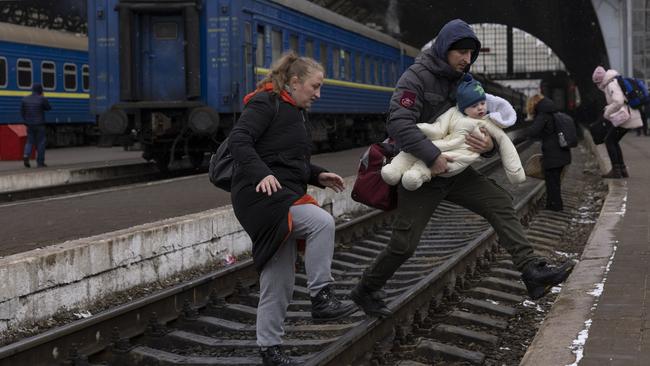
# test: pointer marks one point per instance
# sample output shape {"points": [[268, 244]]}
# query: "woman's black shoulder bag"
{"points": [[222, 163]]}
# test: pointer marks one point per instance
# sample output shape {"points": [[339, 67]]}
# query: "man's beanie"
{"points": [[37, 88], [469, 92], [598, 75], [464, 44]]}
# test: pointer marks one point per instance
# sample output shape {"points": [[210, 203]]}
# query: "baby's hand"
{"points": [[480, 144]]}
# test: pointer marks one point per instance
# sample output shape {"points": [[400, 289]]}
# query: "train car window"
{"points": [[293, 43], [85, 77], [358, 75], [48, 75], [276, 44], [393, 74], [165, 30], [309, 48], [367, 67], [323, 55], [70, 77], [336, 63], [259, 51], [3, 72], [24, 70], [347, 69]]}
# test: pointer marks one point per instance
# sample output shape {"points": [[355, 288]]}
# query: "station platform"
{"points": [[602, 315], [70, 157]]}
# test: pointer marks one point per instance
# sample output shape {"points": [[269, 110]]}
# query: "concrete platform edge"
{"points": [[41, 178], [560, 338], [37, 284]]}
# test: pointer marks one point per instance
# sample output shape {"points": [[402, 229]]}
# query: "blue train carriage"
{"points": [[172, 75], [57, 60]]}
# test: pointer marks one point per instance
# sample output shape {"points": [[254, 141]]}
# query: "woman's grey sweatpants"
{"points": [[316, 226]]}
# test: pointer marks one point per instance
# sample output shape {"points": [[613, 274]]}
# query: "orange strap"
{"points": [[304, 200], [269, 88]]}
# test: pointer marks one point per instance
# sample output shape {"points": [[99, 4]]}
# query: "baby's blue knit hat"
{"points": [[469, 92]]}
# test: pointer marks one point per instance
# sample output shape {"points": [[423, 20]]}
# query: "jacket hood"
{"points": [[451, 32], [500, 111], [609, 76], [545, 106]]}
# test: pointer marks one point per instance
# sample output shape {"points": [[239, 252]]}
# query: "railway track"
{"points": [[211, 320]]}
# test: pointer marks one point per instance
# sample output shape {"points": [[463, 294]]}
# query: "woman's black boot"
{"points": [[624, 171], [614, 173], [325, 306]]}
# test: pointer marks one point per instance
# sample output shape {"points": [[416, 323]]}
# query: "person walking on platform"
{"points": [[616, 106], [32, 109], [271, 147], [425, 91], [555, 156]]}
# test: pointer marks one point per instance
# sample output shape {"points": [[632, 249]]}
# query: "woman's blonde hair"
{"points": [[531, 103], [288, 66]]}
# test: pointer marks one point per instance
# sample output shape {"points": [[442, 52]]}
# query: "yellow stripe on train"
{"points": [[263, 71], [22, 93]]}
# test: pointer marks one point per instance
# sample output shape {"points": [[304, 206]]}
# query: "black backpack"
{"points": [[566, 130], [635, 90], [222, 164]]}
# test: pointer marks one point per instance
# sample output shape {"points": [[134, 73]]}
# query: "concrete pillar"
{"points": [[615, 18]]}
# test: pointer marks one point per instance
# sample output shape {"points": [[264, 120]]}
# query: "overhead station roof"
{"points": [[331, 17], [42, 37]]}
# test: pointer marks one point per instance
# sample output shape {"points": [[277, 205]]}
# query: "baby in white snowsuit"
{"points": [[449, 131]]}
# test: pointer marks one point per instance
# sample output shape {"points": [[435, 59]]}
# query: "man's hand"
{"points": [[480, 144], [268, 185], [440, 164], [331, 180]]}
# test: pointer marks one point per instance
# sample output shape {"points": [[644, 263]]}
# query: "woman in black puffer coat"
{"points": [[271, 148], [555, 158]]}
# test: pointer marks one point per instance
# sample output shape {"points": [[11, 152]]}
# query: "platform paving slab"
{"points": [[590, 327]]}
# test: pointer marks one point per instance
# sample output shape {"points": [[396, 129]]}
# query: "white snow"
{"points": [[83, 314], [578, 344], [529, 304]]}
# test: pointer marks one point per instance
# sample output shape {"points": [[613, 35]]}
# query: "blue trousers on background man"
{"points": [[35, 137]]}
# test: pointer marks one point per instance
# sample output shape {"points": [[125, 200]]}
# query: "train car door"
{"points": [[163, 58], [249, 67]]}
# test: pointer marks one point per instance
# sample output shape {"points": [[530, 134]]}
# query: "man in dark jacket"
{"points": [[425, 91], [33, 110]]}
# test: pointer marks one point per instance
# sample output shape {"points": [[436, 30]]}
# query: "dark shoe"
{"points": [[325, 306], [555, 208], [539, 277], [26, 163], [273, 356], [370, 302], [614, 173], [42, 165], [624, 172]]}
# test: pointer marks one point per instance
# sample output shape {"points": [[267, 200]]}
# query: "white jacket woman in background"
{"points": [[620, 114]]}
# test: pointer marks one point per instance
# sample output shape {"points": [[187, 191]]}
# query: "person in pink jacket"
{"points": [[617, 111]]}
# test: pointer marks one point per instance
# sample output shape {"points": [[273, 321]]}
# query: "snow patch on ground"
{"points": [[578, 344]]}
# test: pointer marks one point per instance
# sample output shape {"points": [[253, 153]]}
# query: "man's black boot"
{"points": [[273, 356], [325, 306], [26, 162], [370, 302], [540, 278]]}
